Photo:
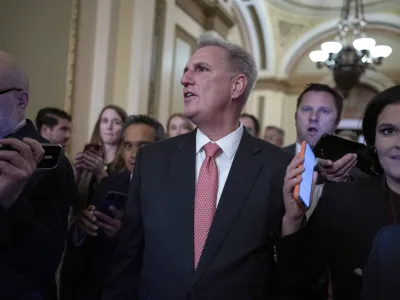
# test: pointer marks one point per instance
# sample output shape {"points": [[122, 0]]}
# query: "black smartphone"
{"points": [[51, 156], [334, 147], [92, 148], [114, 198]]}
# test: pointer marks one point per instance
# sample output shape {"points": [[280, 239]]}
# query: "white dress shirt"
{"points": [[229, 145], [298, 148]]}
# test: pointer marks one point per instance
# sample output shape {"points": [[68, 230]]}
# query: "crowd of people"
{"points": [[207, 210]]}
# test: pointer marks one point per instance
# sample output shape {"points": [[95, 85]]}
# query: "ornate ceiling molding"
{"points": [[257, 21], [210, 14], [326, 8]]}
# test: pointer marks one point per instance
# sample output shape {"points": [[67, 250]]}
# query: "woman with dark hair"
{"points": [[341, 230], [95, 163]]}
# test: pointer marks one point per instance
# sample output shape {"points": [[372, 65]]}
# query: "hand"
{"points": [[339, 170], [94, 163], [91, 220], [16, 167], [110, 226], [294, 212], [77, 162], [87, 221]]}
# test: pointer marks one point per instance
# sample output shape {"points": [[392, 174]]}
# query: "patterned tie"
{"points": [[206, 199]]}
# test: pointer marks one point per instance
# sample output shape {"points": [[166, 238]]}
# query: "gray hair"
{"points": [[239, 60]]}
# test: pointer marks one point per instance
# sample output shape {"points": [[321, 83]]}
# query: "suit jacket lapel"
{"points": [[27, 130], [242, 176], [182, 179]]}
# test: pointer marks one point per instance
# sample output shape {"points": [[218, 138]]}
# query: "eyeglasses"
{"points": [[9, 90]]}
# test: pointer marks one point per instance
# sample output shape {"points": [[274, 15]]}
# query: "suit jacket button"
{"points": [[358, 272]]}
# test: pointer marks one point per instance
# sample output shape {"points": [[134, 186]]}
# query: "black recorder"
{"points": [[51, 156], [334, 147]]}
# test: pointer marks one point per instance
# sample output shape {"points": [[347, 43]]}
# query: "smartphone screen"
{"points": [[302, 192]]}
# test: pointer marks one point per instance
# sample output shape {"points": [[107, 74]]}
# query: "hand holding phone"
{"points": [[50, 156], [302, 191], [333, 148], [19, 161], [295, 210], [115, 199], [94, 148]]}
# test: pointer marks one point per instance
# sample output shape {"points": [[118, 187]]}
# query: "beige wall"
{"points": [[37, 33]]}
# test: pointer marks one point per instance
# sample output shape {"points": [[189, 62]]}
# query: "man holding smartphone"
{"points": [[318, 112], [34, 218]]}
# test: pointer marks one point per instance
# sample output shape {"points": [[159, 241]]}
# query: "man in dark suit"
{"points": [[203, 206], [34, 225], [90, 246], [382, 274], [54, 125]]}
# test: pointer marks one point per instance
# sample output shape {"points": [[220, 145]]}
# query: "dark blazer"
{"points": [[338, 235], [158, 234], [382, 275], [86, 266], [291, 149], [33, 230]]}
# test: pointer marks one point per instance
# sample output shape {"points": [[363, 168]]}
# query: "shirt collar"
{"points": [[228, 144], [298, 147]]}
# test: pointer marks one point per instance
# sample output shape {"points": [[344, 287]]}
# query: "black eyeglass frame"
{"points": [[2, 92]]}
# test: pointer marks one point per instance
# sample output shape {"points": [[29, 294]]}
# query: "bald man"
{"points": [[34, 224]]}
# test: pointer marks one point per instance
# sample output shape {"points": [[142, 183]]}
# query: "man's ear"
{"points": [[23, 99], [44, 129], [239, 84]]}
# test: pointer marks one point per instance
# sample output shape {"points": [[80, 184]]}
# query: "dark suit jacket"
{"points": [[86, 266], [33, 230], [339, 234], [382, 275], [291, 149], [158, 234]]}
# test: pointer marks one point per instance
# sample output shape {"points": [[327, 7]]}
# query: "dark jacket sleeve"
{"points": [[371, 278], [302, 257], [123, 280], [33, 228], [381, 277]]}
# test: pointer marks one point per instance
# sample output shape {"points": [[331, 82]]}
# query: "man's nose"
{"points": [[314, 116], [187, 78]]}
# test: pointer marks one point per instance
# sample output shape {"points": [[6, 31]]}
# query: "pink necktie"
{"points": [[206, 199]]}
